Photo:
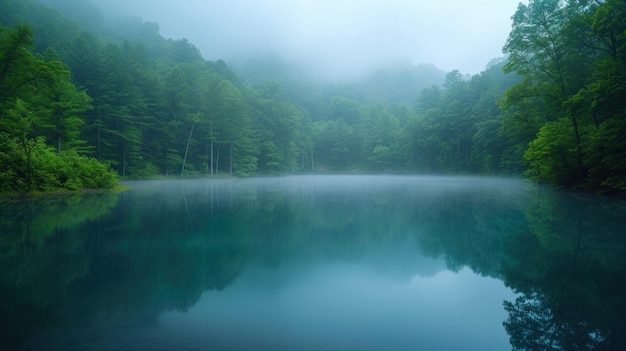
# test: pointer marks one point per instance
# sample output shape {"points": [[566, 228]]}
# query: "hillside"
{"points": [[145, 106]]}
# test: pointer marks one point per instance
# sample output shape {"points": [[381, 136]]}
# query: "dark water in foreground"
{"points": [[315, 263]]}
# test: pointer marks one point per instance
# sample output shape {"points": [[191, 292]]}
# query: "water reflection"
{"points": [[315, 262], [347, 306], [572, 274], [44, 253]]}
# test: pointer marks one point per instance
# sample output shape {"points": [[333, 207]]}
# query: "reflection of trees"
{"points": [[30, 227], [570, 274], [534, 324], [471, 226], [166, 243], [150, 254], [33, 220], [161, 246], [329, 222], [43, 251]]}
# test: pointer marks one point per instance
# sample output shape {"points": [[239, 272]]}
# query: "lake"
{"points": [[315, 263]]}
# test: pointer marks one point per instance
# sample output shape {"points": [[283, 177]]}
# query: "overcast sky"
{"points": [[337, 36]]}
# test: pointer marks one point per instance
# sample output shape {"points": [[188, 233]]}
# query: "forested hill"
{"points": [[146, 106], [396, 82]]}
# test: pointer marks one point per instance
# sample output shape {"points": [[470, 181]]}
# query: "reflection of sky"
{"points": [[346, 306]]}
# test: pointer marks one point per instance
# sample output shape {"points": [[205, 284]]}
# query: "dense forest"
{"points": [[85, 99]]}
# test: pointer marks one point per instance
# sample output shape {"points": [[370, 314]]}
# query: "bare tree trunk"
{"points": [[99, 146], [217, 160], [208, 158], [28, 148], [458, 145], [211, 136], [187, 149], [230, 166], [579, 156], [124, 161]]}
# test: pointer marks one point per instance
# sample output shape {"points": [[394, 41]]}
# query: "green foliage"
{"points": [[38, 103], [572, 57], [33, 167], [607, 166], [336, 145], [146, 105], [551, 156], [461, 128], [278, 130], [157, 107]]}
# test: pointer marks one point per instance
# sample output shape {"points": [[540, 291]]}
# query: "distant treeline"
{"points": [[78, 89]]}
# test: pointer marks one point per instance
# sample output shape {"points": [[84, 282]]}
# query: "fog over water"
{"points": [[336, 39], [314, 263]]}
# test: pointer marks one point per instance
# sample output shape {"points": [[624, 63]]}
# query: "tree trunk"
{"points": [[187, 148], [230, 166], [28, 155], [124, 161], [58, 128], [579, 156], [99, 145], [208, 158], [217, 160], [211, 137], [458, 146]]}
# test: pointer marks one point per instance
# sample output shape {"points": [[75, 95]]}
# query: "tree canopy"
{"points": [[122, 96], [39, 107], [571, 55]]}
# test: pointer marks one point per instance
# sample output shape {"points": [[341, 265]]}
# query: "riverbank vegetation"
{"points": [[40, 110], [85, 98]]}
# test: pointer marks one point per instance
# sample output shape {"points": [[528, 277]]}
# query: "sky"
{"points": [[336, 37]]}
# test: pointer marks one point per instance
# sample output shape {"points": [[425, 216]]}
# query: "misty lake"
{"points": [[315, 263]]}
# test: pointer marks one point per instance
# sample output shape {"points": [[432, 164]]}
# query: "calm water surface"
{"points": [[315, 263]]}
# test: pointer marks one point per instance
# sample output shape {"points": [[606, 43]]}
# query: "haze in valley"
{"points": [[335, 39]]}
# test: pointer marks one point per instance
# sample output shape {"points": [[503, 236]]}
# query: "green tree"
{"points": [[380, 131], [346, 109], [549, 46], [121, 106], [572, 57], [20, 70], [64, 110], [336, 145], [174, 104], [444, 127], [278, 130], [604, 100], [39, 103], [233, 129]]}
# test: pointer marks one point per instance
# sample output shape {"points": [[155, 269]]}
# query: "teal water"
{"points": [[315, 263]]}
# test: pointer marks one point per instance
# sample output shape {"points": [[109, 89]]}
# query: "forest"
{"points": [[85, 100]]}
